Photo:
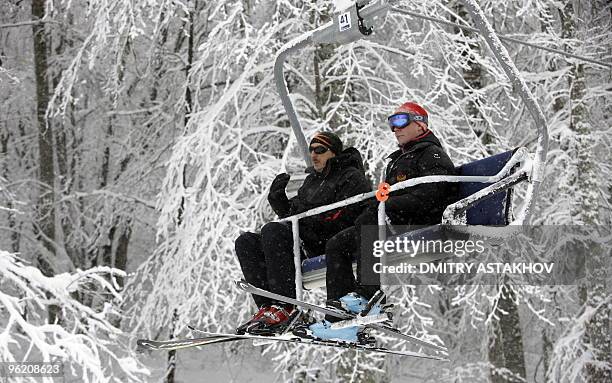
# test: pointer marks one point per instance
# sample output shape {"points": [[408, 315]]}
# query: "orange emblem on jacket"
{"points": [[400, 177]]}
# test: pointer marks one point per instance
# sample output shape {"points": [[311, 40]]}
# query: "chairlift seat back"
{"points": [[492, 210]]}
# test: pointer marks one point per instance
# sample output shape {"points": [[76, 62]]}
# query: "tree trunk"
{"points": [[495, 352], [63, 131], [547, 348], [5, 136], [121, 253], [171, 371], [506, 349], [547, 26], [598, 328], [473, 78], [114, 250], [188, 111], [46, 199]]}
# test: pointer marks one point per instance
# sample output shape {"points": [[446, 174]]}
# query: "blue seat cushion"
{"points": [[314, 263], [491, 210]]}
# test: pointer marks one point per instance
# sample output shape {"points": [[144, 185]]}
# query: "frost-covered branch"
{"points": [[85, 339]]}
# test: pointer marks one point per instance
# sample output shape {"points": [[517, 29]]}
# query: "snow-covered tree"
{"points": [[162, 130]]}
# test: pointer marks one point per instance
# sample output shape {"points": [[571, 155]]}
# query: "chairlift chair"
{"points": [[484, 186]]}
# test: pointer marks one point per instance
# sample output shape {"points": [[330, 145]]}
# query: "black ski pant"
{"points": [[266, 260], [339, 252], [342, 248]]}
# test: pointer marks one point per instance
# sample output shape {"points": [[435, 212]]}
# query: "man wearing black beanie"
{"points": [[266, 258], [324, 146], [329, 140]]}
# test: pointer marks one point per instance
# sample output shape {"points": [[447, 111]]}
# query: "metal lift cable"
{"points": [[501, 37]]}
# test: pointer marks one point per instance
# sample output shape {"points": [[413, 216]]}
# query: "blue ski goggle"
{"points": [[401, 120]]}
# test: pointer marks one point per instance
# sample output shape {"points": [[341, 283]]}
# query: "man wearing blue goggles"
{"points": [[403, 119], [409, 123], [420, 154]]}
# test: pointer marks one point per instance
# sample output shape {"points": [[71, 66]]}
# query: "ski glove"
{"points": [[279, 184], [277, 197]]}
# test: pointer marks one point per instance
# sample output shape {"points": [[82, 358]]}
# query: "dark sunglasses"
{"points": [[318, 149], [402, 120]]}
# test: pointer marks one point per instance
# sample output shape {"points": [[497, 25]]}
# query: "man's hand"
{"points": [[280, 183], [277, 197]]}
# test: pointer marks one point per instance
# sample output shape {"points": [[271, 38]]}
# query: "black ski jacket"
{"points": [[343, 177], [422, 204]]}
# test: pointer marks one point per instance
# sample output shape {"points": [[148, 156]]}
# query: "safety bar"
{"points": [[520, 156]]}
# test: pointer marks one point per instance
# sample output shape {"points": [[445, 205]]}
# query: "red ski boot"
{"points": [[275, 320], [254, 321]]}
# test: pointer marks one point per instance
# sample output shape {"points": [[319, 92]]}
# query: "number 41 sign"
{"points": [[344, 21]]}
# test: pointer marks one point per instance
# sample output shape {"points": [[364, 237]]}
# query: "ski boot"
{"points": [[254, 321], [276, 320], [353, 304]]}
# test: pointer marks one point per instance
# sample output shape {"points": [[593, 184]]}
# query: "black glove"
{"points": [[279, 184], [277, 197]]}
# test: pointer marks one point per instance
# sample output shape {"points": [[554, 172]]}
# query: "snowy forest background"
{"points": [[138, 139]]}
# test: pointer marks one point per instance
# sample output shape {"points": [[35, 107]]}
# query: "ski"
{"points": [[360, 321], [290, 338], [177, 344], [247, 287]]}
